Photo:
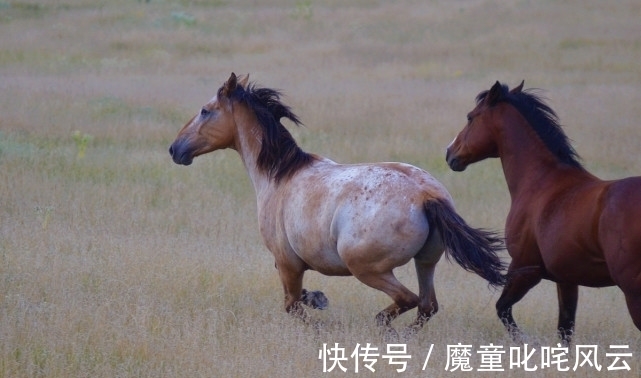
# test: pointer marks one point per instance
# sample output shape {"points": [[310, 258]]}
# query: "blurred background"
{"points": [[116, 262]]}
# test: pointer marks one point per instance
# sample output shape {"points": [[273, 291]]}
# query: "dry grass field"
{"points": [[115, 262]]}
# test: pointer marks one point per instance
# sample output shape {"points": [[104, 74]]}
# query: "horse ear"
{"points": [[243, 80], [518, 89], [495, 94], [229, 86]]}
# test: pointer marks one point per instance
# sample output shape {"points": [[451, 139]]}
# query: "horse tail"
{"points": [[475, 250]]}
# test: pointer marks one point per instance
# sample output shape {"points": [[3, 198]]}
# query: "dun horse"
{"points": [[362, 220], [564, 224]]}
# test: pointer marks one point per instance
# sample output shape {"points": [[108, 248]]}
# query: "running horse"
{"points": [[564, 224], [360, 219]]}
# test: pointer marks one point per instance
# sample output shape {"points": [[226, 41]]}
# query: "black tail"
{"points": [[473, 249]]}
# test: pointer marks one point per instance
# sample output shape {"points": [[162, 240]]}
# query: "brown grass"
{"points": [[120, 263]]}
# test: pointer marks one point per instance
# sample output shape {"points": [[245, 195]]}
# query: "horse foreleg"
{"points": [[568, 295], [519, 282], [292, 280], [314, 299]]}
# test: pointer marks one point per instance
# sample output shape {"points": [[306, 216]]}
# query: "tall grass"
{"points": [[120, 263]]}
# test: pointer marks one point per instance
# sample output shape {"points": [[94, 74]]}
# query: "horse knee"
{"points": [[520, 281], [408, 303]]}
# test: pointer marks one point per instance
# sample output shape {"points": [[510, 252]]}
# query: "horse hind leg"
{"points": [[425, 263], [386, 282], [427, 305]]}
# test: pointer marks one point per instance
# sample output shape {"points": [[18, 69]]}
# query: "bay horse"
{"points": [[564, 224], [358, 219]]}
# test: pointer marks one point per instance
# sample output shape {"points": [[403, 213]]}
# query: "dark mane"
{"points": [[543, 120], [279, 155]]}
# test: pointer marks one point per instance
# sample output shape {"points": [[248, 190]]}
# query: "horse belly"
{"points": [[574, 258], [326, 262], [359, 214], [354, 235], [575, 268], [308, 234]]}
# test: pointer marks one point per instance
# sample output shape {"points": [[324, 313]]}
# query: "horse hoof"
{"points": [[390, 335], [314, 299], [410, 332], [319, 325], [519, 337]]}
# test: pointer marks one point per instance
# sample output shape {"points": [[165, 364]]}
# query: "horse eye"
{"points": [[204, 112], [469, 118]]}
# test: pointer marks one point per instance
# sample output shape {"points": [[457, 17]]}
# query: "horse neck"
{"points": [[247, 143], [527, 163]]}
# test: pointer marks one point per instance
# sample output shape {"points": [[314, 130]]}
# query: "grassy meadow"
{"points": [[115, 262]]}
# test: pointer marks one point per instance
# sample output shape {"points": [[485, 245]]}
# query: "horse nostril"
{"points": [[455, 164], [448, 155], [171, 150], [452, 161]]}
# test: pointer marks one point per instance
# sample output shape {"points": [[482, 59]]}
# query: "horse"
{"points": [[362, 220], [564, 224]]}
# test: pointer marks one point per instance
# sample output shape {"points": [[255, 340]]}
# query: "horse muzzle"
{"points": [[180, 153], [454, 162]]}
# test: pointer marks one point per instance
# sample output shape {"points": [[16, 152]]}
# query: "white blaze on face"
{"points": [[452, 142], [196, 120]]}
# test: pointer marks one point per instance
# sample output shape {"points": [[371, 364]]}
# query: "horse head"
{"points": [[213, 128], [478, 139]]}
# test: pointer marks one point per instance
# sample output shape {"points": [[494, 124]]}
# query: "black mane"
{"points": [[543, 120], [279, 155]]}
